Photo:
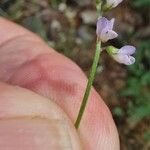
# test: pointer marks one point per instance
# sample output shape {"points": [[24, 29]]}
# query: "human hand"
{"points": [[26, 61]]}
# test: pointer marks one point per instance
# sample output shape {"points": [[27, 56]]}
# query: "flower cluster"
{"points": [[105, 32]]}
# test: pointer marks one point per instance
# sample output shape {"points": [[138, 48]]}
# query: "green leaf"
{"points": [[138, 113], [118, 111], [141, 3], [147, 135], [145, 79]]}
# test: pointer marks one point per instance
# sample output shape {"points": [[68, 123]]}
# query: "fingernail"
{"points": [[34, 134]]}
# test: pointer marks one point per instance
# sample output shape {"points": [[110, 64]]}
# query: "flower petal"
{"points": [[124, 59], [113, 3], [129, 50], [107, 34], [101, 24], [110, 23]]}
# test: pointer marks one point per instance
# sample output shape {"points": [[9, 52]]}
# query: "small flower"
{"points": [[113, 3], [122, 55], [104, 29]]}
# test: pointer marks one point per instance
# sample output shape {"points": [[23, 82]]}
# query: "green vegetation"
{"points": [[138, 84]]}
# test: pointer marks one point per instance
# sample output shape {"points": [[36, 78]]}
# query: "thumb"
{"points": [[29, 121]]}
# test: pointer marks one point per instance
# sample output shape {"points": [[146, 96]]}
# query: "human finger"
{"points": [[28, 62]]}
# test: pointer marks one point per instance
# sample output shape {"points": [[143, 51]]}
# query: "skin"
{"points": [[40, 86]]}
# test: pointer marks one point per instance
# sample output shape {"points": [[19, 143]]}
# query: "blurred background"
{"points": [[69, 27]]}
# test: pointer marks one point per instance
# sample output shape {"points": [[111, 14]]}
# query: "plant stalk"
{"points": [[89, 84]]}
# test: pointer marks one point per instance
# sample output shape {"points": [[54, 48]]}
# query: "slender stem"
{"points": [[98, 8], [92, 72], [89, 84]]}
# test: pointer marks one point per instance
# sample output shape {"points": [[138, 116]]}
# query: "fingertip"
{"points": [[98, 121]]}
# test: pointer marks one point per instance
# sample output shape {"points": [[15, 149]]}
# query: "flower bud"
{"points": [[122, 55], [112, 3]]}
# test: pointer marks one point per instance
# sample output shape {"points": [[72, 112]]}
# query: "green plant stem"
{"points": [[98, 8], [89, 84]]}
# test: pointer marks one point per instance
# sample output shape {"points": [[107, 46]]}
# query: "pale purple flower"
{"points": [[104, 29], [123, 55], [113, 3]]}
